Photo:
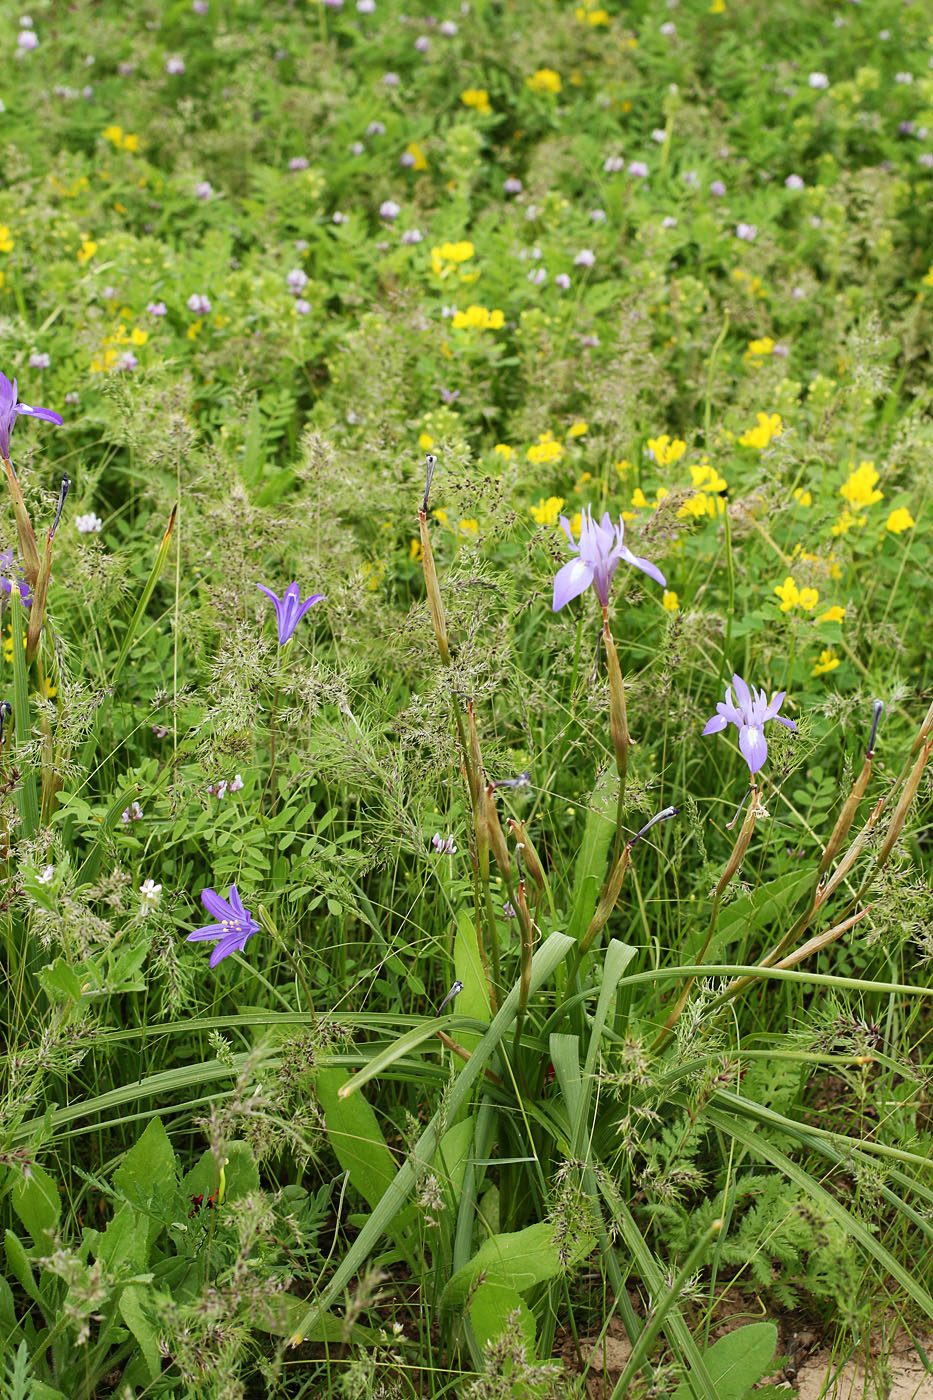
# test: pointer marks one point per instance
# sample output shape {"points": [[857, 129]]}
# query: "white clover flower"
{"points": [[818, 81], [89, 524]]}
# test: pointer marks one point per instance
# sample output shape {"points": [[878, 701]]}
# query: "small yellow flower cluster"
{"points": [[545, 80], [588, 14], [758, 350], [109, 352], [828, 662], [859, 486], [478, 99], [86, 251], [900, 520], [640, 500], [665, 451], [706, 500], [478, 318], [769, 426], [802, 496], [447, 259], [546, 449], [669, 600], [928, 280], [417, 155], [578, 428], [793, 597], [115, 134], [546, 512], [6, 239], [750, 284], [859, 491], [504, 451], [469, 528]]}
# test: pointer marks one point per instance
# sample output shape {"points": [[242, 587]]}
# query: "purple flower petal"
{"points": [[645, 565], [215, 905], [200, 935], [573, 579], [753, 746], [715, 725]]}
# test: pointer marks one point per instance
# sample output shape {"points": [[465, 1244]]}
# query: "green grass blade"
{"points": [[28, 795]]}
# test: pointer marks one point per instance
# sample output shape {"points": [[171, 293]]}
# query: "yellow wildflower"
{"points": [[138, 336], [833, 614], [545, 80], [478, 98], [664, 451], [425, 442], [669, 600], [546, 449], [504, 450], [478, 318], [846, 522], [718, 7], [417, 154], [793, 597], [859, 487], [546, 512], [130, 142], [928, 280], [623, 467], [469, 527], [441, 515], [899, 521], [706, 476], [802, 497], [414, 549], [87, 250], [447, 254], [576, 524], [6, 241], [769, 426], [114, 134], [194, 330], [638, 497], [757, 349], [828, 662], [578, 428], [592, 17], [582, 480]]}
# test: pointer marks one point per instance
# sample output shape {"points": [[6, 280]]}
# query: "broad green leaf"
{"points": [[590, 867], [517, 1260], [737, 1361], [452, 1153], [490, 1307], [765, 909], [37, 1204], [19, 1266], [148, 1178], [125, 1240], [474, 999], [355, 1136], [241, 1175], [142, 1328]]}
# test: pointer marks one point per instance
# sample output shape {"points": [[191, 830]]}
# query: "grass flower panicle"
{"points": [[234, 928]]}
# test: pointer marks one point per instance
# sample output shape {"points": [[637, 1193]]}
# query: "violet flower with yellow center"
{"points": [[234, 928], [598, 552]]}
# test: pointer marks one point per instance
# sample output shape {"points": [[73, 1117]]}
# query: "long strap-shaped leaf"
{"points": [[547, 958], [27, 796], [756, 1142]]}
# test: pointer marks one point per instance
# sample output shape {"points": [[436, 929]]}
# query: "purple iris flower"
{"points": [[749, 716], [9, 409], [289, 609], [10, 573], [234, 928], [598, 553]]}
